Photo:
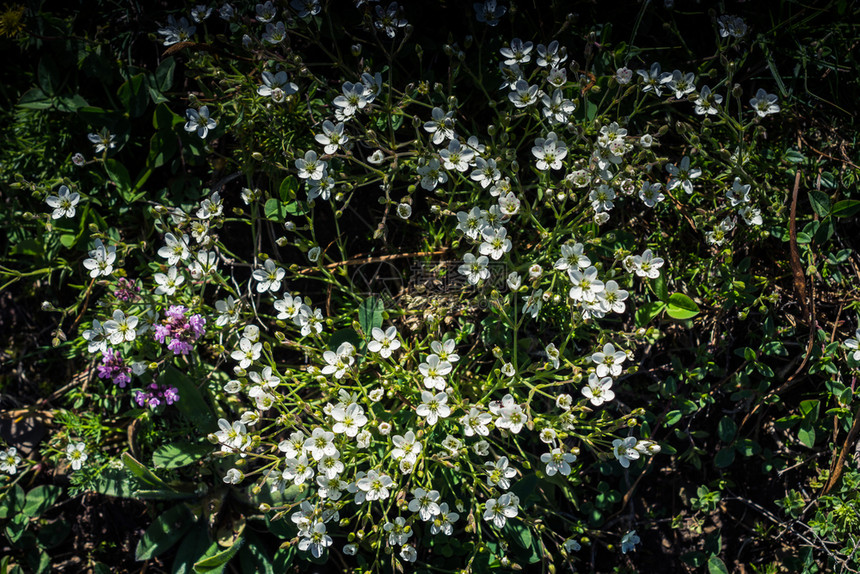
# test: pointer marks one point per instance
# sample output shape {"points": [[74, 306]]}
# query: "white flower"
{"points": [[495, 243], [598, 390], [609, 361], [764, 104], [247, 352], [433, 407], [9, 460], [308, 320], [551, 55], [348, 420], [75, 455], [613, 298], [457, 156], [339, 362], [63, 203], [751, 215], [739, 193], [499, 473], [100, 262], [425, 503], [650, 193], [199, 121], [511, 415], [654, 79], [389, 20], [444, 521], [553, 355], [585, 285], [398, 531], [288, 307], [354, 98], [167, 284], [121, 329], [682, 175], [572, 257], [228, 311], [409, 553], [854, 345], [532, 303], [557, 462], [269, 278], [310, 166], [384, 342], [682, 84], [499, 510], [731, 26], [509, 204], [404, 211], [646, 265], [176, 249], [549, 152], [523, 95], [316, 539], [623, 75], [474, 268], [375, 486], [514, 281], [405, 447], [557, 108], [95, 337], [234, 476], [431, 174], [518, 53], [489, 12], [320, 444], [277, 86], [486, 173], [625, 450], [475, 422], [707, 102], [104, 140], [564, 402], [629, 542], [332, 136], [305, 8], [441, 126]]}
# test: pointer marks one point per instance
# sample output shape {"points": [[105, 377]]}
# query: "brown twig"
{"points": [[380, 259]]}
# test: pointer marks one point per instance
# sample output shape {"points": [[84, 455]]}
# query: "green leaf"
{"points": [[844, 208], [370, 314], [41, 499], [164, 532], [297, 208], [794, 156], [672, 417], [726, 429], [164, 74], [681, 307], [774, 348], [660, 287], [194, 546], [179, 454], [163, 118], [35, 99], [133, 95], [288, 188], [806, 434], [820, 202], [145, 475], [49, 76], [114, 482], [215, 564], [275, 210], [71, 103], [119, 175], [716, 566], [11, 501], [344, 336], [725, 457], [648, 311]]}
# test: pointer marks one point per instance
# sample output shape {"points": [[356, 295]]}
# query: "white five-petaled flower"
{"points": [[609, 361], [101, 260], [499, 510], [9, 460], [495, 243], [572, 257], [613, 298], [75, 455], [311, 167], [425, 503], [625, 450], [629, 541], [288, 307], [168, 283], [340, 361], [277, 86], [475, 422], [650, 193], [398, 531], [375, 486], [654, 79], [176, 249], [320, 444], [384, 342], [739, 193], [348, 420], [103, 140], [433, 407], [854, 345], [522, 95], [707, 102], [598, 390], [474, 268], [63, 203], [764, 104], [444, 521], [332, 136], [247, 353], [646, 265], [681, 175], [441, 126], [549, 152], [557, 462], [519, 52], [585, 284], [489, 12], [121, 329], [199, 121], [500, 473], [434, 371], [269, 278]]}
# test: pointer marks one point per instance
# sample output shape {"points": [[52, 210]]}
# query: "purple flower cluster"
{"points": [[126, 290], [180, 330], [156, 395], [113, 367]]}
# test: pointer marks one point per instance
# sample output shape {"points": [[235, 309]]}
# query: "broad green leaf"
{"points": [[163, 118], [115, 482], [681, 307], [49, 76], [41, 499], [370, 314], [844, 208], [191, 402], [660, 287], [794, 156], [288, 188], [11, 501], [35, 99], [164, 74], [820, 202], [297, 208], [193, 547], [344, 336], [215, 564], [806, 434], [648, 311], [726, 429], [716, 566], [133, 96], [119, 175], [179, 454], [275, 210], [145, 475], [725, 457], [672, 417], [164, 532]]}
